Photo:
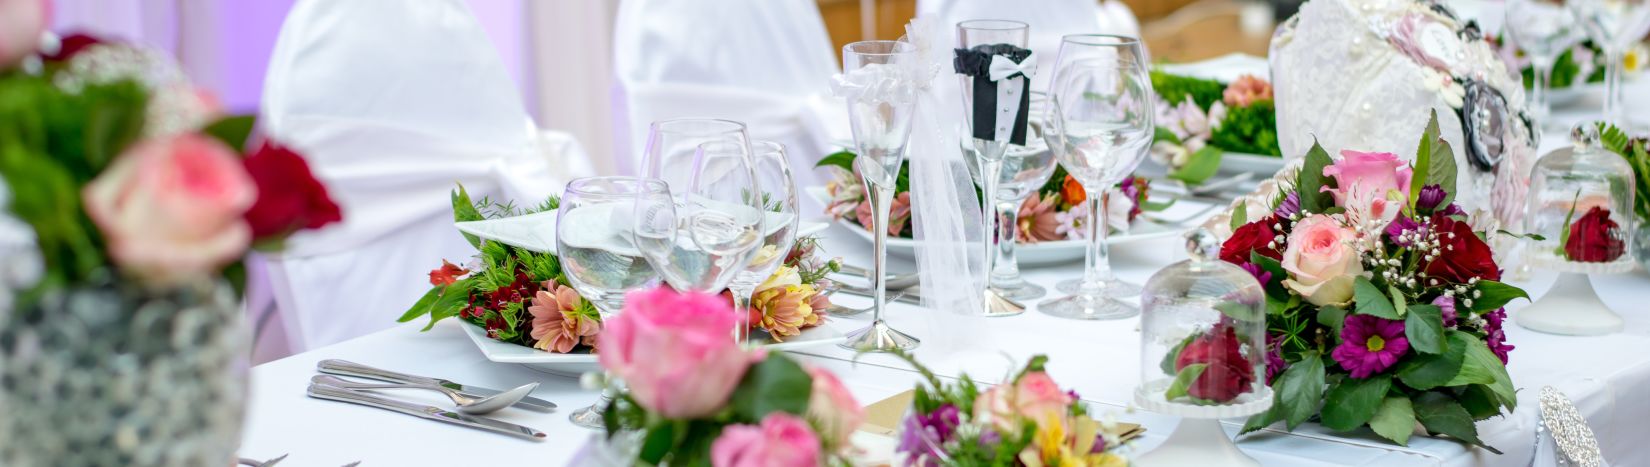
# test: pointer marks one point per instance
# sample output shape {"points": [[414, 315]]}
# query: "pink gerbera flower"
{"points": [[1370, 345]]}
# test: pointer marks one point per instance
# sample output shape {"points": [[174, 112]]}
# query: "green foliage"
{"points": [[1434, 154], [1183, 380], [1394, 419], [1299, 389], [1441, 414], [1481, 366], [1424, 326], [1427, 371], [1199, 166], [1352, 402], [1252, 129], [776, 384], [1174, 89], [1637, 154], [1311, 175], [1370, 300], [1493, 295], [231, 131], [499, 265]]}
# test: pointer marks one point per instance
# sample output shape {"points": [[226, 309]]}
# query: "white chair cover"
{"points": [[1049, 20], [393, 103], [767, 63]]}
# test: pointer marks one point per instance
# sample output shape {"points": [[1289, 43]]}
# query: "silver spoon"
{"points": [[473, 406], [895, 281]]}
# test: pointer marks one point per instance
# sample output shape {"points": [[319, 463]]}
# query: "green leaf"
{"points": [[1440, 161], [1399, 304], [464, 210], [454, 298], [1441, 414], [1166, 135], [1424, 326], [1263, 419], [1199, 166], [1167, 365], [840, 159], [657, 443], [1372, 301], [776, 384], [1494, 295], [1351, 402], [1300, 388], [1481, 366], [1275, 286], [1394, 420], [1241, 312], [1480, 402], [1183, 380], [1424, 371], [1311, 179], [422, 306], [1240, 216], [232, 131]]}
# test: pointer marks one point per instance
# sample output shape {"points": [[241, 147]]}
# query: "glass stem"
{"points": [[1097, 265], [1613, 110], [1538, 92], [882, 199], [1006, 271], [990, 169], [742, 314]]}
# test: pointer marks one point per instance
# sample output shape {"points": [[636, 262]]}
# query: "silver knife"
{"points": [[911, 295], [323, 391], [348, 368]]}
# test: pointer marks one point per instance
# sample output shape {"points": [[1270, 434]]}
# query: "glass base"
{"points": [[1115, 288], [591, 416], [1025, 291], [1088, 307], [996, 305], [878, 337]]}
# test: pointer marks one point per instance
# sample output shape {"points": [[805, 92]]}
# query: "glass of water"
{"points": [[778, 198], [712, 222], [1023, 170]]}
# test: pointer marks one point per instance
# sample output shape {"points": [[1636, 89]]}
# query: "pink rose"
{"points": [[1372, 186], [1321, 261], [675, 351], [899, 214], [171, 208], [21, 24], [832, 408], [782, 440], [1033, 397]]}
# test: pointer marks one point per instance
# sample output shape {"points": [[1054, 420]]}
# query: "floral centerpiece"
{"points": [[1581, 63], [522, 297], [1383, 305], [1198, 120], [1025, 421], [127, 200], [1055, 212], [693, 396]]}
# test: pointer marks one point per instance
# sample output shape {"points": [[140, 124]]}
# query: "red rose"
{"points": [[1463, 255], [1227, 374], [1594, 238], [1252, 237], [289, 196], [72, 45]]}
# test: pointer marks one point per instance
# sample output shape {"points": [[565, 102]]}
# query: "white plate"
{"points": [[537, 232], [575, 364], [1030, 254], [1226, 68]]}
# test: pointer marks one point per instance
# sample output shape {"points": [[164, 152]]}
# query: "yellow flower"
{"points": [[784, 277], [767, 253], [785, 309]]}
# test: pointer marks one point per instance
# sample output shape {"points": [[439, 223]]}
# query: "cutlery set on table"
{"points": [[470, 401]]}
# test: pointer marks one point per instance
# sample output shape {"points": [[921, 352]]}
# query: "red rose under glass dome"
{"points": [[1203, 329]]}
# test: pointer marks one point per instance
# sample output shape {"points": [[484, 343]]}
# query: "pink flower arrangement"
{"points": [[1370, 345], [559, 324], [1247, 90], [782, 440], [1322, 261], [1039, 219], [898, 214], [1372, 186], [675, 351], [832, 408], [1034, 397], [171, 209]]}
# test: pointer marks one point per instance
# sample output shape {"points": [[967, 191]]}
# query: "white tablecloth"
{"points": [[1606, 376]]}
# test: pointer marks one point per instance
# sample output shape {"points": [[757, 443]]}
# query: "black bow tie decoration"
{"points": [[1018, 64]]}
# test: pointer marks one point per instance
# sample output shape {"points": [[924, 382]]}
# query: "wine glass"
{"points": [[778, 197], [1024, 171], [598, 254], [1100, 124], [984, 35], [1543, 29], [882, 98], [1615, 25], [712, 222]]}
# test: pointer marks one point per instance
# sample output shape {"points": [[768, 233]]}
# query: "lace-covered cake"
{"points": [[1361, 75]]}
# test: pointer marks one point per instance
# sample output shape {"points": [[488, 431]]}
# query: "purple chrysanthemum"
{"points": [[1430, 197], [1370, 345], [1290, 206], [1493, 335], [1400, 226], [1447, 306], [1275, 363], [1261, 275], [923, 434]]}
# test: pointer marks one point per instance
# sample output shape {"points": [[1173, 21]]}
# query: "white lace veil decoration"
{"points": [[945, 211]]}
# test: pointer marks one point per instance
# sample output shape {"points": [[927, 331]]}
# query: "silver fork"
{"points": [[845, 311], [268, 463]]}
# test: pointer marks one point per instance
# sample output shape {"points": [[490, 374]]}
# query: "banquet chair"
{"points": [[394, 104], [1049, 20], [767, 63]]}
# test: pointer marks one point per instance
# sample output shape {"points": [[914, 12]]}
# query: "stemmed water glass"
{"points": [[777, 191], [712, 222], [881, 97], [989, 152], [1614, 25], [1024, 171], [1542, 29], [1100, 124], [597, 251]]}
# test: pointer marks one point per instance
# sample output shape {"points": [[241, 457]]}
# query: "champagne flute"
{"points": [[1100, 119], [777, 190], [1024, 171], [1542, 29], [598, 255], [984, 35], [1615, 25], [881, 100], [712, 222]]}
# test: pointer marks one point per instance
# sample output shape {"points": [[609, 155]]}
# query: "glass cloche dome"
{"points": [[1581, 207], [1203, 328]]}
